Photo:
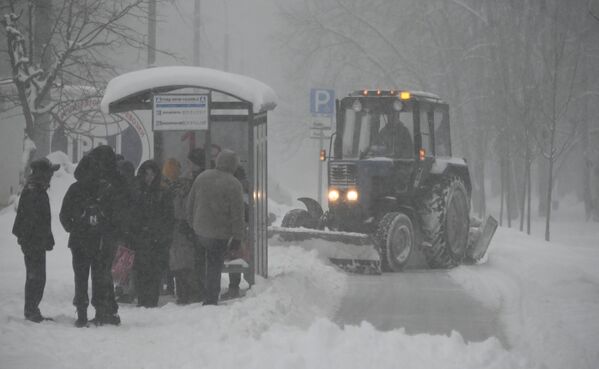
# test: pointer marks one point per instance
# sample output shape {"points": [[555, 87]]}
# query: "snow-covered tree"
{"points": [[61, 51], [511, 71]]}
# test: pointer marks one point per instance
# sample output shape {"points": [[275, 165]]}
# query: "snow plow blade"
{"points": [[352, 252], [482, 240]]}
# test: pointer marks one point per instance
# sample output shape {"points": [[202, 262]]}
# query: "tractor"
{"points": [[394, 185]]}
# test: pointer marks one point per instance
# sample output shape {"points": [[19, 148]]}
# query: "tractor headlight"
{"points": [[333, 195], [352, 195]]}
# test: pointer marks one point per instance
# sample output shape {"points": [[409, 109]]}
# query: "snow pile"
{"points": [[282, 322], [547, 295]]}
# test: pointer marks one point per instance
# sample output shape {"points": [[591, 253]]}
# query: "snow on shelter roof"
{"points": [[162, 79]]}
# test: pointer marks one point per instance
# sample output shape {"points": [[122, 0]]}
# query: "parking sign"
{"points": [[322, 102]]}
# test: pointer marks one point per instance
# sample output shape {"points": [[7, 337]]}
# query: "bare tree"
{"points": [[69, 58]]}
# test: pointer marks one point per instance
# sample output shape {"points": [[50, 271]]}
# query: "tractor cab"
{"points": [[391, 124]]}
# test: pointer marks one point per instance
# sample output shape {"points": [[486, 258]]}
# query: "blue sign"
{"points": [[322, 102]]}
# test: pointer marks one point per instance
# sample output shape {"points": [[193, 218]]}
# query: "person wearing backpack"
{"points": [[115, 200], [87, 214], [34, 233], [153, 231]]}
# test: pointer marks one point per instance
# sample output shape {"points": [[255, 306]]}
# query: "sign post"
{"points": [[322, 107]]}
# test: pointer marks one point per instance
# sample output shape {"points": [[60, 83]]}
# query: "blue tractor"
{"points": [[394, 187]]}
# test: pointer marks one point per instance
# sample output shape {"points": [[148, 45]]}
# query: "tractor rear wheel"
{"points": [[395, 238], [446, 223]]}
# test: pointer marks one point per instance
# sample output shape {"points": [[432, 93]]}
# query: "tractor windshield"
{"points": [[377, 130]]}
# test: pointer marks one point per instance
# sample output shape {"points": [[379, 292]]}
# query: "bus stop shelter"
{"points": [[201, 107]]}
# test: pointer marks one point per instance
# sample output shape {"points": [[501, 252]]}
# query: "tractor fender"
{"points": [[313, 207], [453, 166]]}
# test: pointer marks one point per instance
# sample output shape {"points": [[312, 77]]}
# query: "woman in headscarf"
{"points": [[182, 252], [152, 231]]}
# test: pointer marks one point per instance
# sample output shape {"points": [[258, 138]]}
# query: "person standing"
{"points": [[215, 210], [196, 160], [86, 215], [182, 248], [113, 193], [32, 227], [171, 171], [126, 293], [153, 233]]}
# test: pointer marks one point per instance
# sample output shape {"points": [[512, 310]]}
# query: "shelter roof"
{"points": [[135, 87]]}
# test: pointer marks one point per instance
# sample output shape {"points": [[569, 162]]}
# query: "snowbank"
{"points": [[547, 295], [283, 322]]}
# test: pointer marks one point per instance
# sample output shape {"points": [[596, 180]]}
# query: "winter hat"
{"points": [[227, 161], [171, 169], [43, 165], [126, 169], [198, 157], [105, 157]]}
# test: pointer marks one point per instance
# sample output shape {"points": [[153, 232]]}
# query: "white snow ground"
{"points": [[548, 295]]}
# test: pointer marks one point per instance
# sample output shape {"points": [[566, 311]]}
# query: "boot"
{"points": [[232, 293], [113, 319], [98, 319], [81, 318]]}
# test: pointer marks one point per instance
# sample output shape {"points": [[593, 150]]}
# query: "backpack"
{"points": [[92, 215]]}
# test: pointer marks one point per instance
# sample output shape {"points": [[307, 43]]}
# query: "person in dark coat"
{"points": [[126, 293], [152, 233], [398, 139], [116, 202], [197, 161], [34, 233], [87, 213], [215, 210]]}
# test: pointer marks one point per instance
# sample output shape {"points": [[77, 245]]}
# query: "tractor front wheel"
{"points": [[395, 238]]}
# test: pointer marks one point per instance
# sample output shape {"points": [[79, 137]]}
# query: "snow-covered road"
{"points": [[544, 297], [421, 301]]}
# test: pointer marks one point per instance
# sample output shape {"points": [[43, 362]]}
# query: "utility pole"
{"points": [[196, 33], [226, 46], [152, 33]]}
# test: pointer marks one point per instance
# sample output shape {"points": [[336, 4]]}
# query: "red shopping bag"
{"points": [[122, 264]]}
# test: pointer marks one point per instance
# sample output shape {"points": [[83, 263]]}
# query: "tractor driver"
{"points": [[397, 139]]}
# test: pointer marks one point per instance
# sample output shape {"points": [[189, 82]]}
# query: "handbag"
{"points": [[122, 265]]}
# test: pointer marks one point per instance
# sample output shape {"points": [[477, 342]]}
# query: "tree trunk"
{"points": [[502, 181], [508, 202], [529, 197], [542, 169], [549, 195], [524, 188]]}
